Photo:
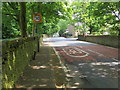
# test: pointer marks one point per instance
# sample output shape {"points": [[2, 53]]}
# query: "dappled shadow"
{"points": [[16, 55], [97, 74], [104, 69], [98, 69], [38, 74], [36, 77], [43, 72]]}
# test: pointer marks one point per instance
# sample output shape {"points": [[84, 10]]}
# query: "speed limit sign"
{"points": [[37, 18]]}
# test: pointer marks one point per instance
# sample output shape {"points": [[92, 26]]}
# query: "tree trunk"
{"points": [[33, 25], [33, 29], [91, 28], [23, 23]]}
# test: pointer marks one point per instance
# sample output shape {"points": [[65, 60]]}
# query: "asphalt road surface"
{"points": [[88, 65]]}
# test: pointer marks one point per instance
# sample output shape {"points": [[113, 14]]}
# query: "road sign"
{"points": [[37, 18]]}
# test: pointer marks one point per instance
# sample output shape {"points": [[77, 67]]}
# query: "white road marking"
{"points": [[79, 50], [96, 52], [115, 59]]}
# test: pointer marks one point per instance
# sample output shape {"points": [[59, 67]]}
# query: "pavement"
{"points": [[43, 72]]}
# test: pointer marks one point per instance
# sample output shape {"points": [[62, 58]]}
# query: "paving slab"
{"points": [[43, 72], [38, 73]]}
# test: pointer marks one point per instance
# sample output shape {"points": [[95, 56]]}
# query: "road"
{"points": [[88, 65]]}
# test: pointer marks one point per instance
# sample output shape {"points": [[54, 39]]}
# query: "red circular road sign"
{"points": [[37, 18]]}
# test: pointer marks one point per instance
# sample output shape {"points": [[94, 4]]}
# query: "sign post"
{"points": [[37, 18]]}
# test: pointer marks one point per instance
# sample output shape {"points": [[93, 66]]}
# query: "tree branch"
{"points": [[116, 15], [9, 14], [10, 4]]}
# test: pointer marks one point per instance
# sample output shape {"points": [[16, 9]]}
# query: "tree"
{"points": [[10, 19], [63, 24], [51, 13], [23, 19], [109, 11], [96, 15], [19, 16]]}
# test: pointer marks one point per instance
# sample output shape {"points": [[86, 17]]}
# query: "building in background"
{"points": [[71, 30]]}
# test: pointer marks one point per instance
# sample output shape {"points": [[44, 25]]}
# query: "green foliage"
{"points": [[50, 28], [10, 20], [51, 13], [63, 24], [97, 15]]}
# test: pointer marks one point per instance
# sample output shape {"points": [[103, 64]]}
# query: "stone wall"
{"points": [[16, 54], [104, 40]]}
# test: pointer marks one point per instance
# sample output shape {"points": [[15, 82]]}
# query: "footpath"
{"points": [[43, 72]]}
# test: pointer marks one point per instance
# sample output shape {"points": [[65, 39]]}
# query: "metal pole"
{"points": [[38, 36]]}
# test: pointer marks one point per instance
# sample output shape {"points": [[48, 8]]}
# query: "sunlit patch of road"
{"points": [[61, 42]]}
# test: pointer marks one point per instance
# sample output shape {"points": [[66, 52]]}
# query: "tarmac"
{"points": [[89, 65]]}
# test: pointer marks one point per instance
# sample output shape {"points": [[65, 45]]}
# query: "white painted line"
{"points": [[115, 59], [79, 51], [96, 52], [65, 68]]}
